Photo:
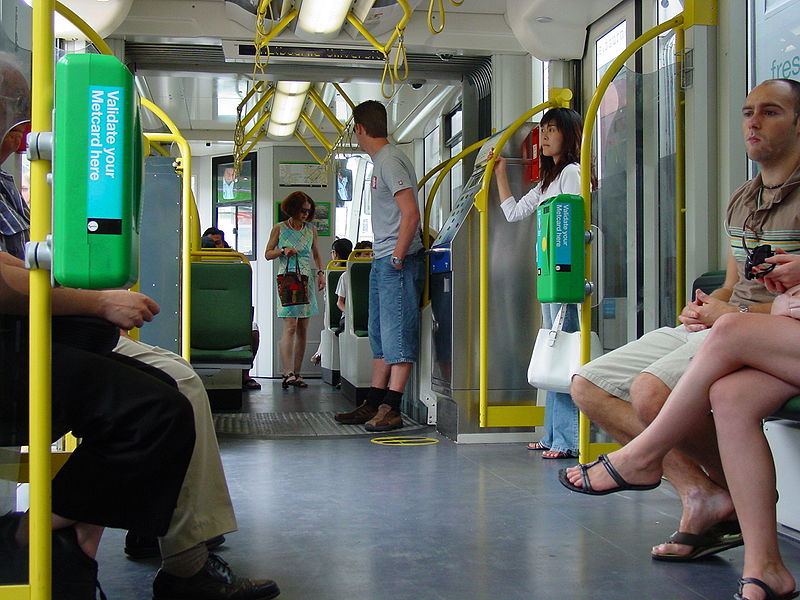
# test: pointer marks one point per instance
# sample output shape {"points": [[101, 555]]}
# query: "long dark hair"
{"points": [[570, 124]]}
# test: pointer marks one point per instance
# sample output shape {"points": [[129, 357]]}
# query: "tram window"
{"points": [[233, 202]]}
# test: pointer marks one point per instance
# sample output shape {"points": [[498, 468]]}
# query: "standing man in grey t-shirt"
{"points": [[396, 277]]}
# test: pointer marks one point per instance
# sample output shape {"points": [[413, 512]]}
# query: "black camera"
{"points": [[756, 257]]}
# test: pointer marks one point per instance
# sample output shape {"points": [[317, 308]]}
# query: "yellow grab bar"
{"points": [[586, 176], [559, 97]]}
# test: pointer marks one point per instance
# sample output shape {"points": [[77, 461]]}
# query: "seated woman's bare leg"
{"points": [[740, 401]]}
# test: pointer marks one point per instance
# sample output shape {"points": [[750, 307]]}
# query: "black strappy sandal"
{"points": [[286, 383], [298, 382]]}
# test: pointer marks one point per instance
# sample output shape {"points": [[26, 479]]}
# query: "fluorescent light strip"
{"points": [[290, 96], [322, 17]]}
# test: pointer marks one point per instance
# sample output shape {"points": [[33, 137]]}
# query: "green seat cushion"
{"points": [[232, 357], [790, 410], [361, 333]]}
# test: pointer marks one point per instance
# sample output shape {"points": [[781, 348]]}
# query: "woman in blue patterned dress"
{"points": [[296, 237]]}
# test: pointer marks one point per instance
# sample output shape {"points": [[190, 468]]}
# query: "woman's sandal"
{"points": [[586, 488], [250, 384], [556, 454], [298, 382], [537, 446], [770, 593], [286, 380]]}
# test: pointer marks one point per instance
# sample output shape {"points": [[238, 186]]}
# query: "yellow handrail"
{"points": [[586, 176], [443, 169], [680, 173], [40, 352], [558, 97]]}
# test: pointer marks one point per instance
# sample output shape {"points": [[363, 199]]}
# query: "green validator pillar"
{"points": [[560, 246], [97, 173]]}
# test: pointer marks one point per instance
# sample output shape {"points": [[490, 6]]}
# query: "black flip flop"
{"points": [[716, 539], [250, 384], [770, 593], [586, 488]]}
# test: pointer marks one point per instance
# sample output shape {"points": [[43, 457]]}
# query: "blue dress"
{"points": [[301, 241]]}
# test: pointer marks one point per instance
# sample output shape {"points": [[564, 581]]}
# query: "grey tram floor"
{"points": [[347, 519]]}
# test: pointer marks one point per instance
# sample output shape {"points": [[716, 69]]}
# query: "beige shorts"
{"points": [[664, 353]]}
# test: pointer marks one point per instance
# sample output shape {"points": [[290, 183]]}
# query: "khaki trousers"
{"points": [[204, 508]]}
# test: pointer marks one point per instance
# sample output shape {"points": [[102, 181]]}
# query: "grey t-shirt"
{"points": [[392, 172]]}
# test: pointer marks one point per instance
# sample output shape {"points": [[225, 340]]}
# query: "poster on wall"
{"points": [[321, 220], [776, 51], [298, 174]]}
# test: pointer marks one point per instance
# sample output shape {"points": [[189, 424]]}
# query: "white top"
{"points": [[341, 287], [567, 182]]}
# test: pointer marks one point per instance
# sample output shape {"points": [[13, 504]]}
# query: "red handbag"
{"points": [[293, 285]]}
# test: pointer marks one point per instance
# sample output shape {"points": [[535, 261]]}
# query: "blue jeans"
{"points": [[394, 308], [561, 414]]}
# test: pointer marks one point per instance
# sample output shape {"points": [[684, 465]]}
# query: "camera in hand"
{"points": [[756, 257]]}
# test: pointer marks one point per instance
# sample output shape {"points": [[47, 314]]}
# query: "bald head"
{"points": [[15, 104]]}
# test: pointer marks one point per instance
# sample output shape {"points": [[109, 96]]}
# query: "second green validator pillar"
{"points": [[97, 173], [560, 246]]}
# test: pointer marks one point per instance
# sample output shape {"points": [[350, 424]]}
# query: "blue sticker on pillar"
{"points": [[563, 246], [104, 177]]}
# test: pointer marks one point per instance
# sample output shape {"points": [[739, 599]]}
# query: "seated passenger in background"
{"points": [[744, 371], [627, 388], [202, 510], [218, 236], [560, 141], [340, 250]]}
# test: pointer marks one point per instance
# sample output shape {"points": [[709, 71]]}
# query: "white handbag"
{"points": [[556, 356]]}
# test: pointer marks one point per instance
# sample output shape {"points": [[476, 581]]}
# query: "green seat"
{"points": [[708, 282], [358, 294], [221, 313], [333, 310], [790, 410]]}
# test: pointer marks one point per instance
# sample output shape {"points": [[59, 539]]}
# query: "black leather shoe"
{"points": [[74, 572], [215, 581], [13, 559], [142, 546]]}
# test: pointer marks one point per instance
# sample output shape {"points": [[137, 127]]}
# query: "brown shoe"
{"points": [[358, 416], [385, 419]]}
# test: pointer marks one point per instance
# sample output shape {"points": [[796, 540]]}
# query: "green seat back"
{"points": [[358, 294], [334, 312], [708, 282], [221, 306], [790, 410]]}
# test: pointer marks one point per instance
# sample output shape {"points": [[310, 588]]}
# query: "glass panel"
{"points": [[365, 216], [244, 228], [226, 221]]}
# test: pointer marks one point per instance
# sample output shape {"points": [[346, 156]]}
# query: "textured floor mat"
{"points": [[293, 425]]}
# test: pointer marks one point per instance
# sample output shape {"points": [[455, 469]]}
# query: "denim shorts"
{"points": [[394, 308]]}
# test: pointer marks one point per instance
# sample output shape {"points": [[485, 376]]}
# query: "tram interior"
{"points": [[461, 509]]}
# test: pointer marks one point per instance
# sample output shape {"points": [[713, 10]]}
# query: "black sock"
{"points": [[393, 399], [375, 396]]}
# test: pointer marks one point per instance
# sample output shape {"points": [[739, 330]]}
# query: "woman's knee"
{"points": [[289, 327]]}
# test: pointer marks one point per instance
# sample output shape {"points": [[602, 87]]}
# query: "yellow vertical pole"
{"points": [[586, 176], [680, 174], [40, 331]]}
